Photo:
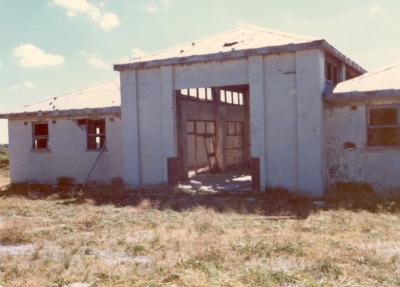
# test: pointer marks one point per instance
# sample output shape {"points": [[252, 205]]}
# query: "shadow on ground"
{"points": [[277, 202], [272, 202]]}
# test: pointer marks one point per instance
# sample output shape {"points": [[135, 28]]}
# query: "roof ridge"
{"points": [[281, 33], [186, 43], [253, 27]]}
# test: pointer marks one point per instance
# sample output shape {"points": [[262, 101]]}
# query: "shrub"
{"points": [[352, 195], [284, 200], [14, 232], [65, 186], [64, 181], [4, 162], [31, 190]]}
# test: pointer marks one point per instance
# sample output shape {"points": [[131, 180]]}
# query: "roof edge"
{"points": [[219, 56], [329, 48], [317, 44], [63, 113], [363, 96]]}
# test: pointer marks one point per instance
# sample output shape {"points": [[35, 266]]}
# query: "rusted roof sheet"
{"points": [[100, 98]]}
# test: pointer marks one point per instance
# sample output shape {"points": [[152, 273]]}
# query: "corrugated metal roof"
{"points": [[384, 79], [98, 96], [245, 37], [237, 43]]}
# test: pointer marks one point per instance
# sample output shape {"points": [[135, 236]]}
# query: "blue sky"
{"points": [[49, 47]]}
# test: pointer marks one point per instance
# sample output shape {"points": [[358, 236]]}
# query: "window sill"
{"points": [[40, 151], [380, 148], [96, 150]]}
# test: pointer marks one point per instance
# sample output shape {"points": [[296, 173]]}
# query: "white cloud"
{"points": [[152, 9], [137, 53], [105, 20], [30, 56], [98, 63], [156, 8], [24, 85], [95, 60], [28, 85], [375, 10]]}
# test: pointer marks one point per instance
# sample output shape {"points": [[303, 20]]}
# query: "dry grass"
{"points": [[14, 231], [140, 246], [4, 177], [4, 157]]}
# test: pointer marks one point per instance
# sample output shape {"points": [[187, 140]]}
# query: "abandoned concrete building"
{"points": [[275, 126], [362, 130], [250, 99], [63, 136]]}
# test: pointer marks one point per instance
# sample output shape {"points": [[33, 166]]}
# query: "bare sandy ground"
{"points": [[4, 177]]}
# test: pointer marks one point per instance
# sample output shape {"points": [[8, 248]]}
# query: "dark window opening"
{"points": [[40, 136], [96, 134], [335, 74], [383, 137], [384, 116], [350, 75], [332, 72], [383, 127]]}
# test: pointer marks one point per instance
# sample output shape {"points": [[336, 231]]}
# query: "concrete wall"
{"points": [[67, 155], [379, 166], [286, 119], [149, 113], [285, 116]]}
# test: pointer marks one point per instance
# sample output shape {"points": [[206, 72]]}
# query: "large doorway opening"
{"points": [[214, 138]]}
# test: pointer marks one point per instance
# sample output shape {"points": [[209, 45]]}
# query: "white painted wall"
{"points": [[285, 116], [67, 156], [310, 83], [281, 120], [375, 165]]}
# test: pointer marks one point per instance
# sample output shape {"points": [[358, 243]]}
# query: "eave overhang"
{"points": [[221, 56], [95, 112], [364, 97]]}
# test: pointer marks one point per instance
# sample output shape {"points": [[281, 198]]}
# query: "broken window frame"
{"points": [[238, 133], [332, 71], [203, 94], [238, 128], [195, 129], [231, 97], [38, 137], [98, 134], [373, 128]]}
